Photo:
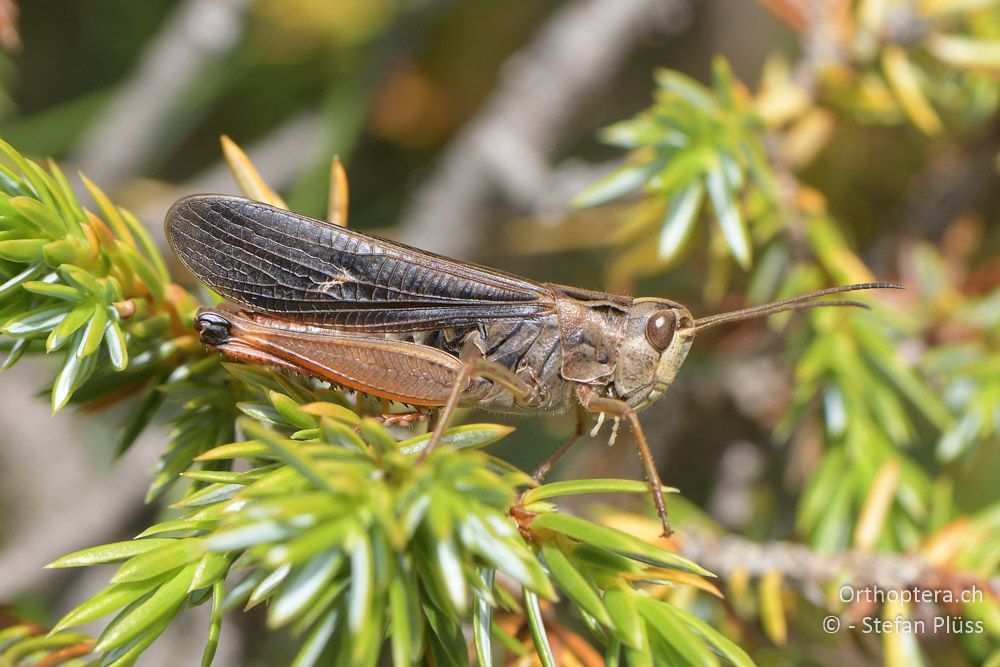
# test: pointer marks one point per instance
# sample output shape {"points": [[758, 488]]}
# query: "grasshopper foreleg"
{"points": [[594, 402]]}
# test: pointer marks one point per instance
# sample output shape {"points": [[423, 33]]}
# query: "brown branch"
{"points": [[126, 133], [809, 571], [51, 510], [507, 148]]}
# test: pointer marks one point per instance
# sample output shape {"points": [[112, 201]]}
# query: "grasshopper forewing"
{"points": [[410, 326]]}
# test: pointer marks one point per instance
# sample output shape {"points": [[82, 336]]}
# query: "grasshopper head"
{"points": [[659, 334], [657, 339]]}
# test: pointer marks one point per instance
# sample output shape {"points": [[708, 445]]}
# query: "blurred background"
{"points": [[467, 128]]}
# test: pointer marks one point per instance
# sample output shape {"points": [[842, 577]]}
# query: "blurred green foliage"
{"points": [[694, 141]]}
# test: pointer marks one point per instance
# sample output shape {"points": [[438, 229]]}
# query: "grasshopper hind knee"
{"points": [[213, 329]]}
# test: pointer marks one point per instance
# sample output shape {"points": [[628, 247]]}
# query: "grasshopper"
{"points": [[402, 324]]}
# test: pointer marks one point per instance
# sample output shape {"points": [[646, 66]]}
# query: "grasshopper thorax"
{"points": [[657, 338]]}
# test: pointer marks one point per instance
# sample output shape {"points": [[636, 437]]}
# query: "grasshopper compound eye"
{"points": [[660, 329]]}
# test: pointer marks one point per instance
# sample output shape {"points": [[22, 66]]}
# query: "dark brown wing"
{"points": [[295, 267]]}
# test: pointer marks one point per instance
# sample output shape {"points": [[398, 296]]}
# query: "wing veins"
{"points": [[258, 261], [364, 283]]}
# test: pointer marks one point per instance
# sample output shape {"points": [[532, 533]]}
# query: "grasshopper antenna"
{"points": [[800, 302]]}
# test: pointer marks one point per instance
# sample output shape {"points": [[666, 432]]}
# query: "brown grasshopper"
{"points": [[402, 324]]}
